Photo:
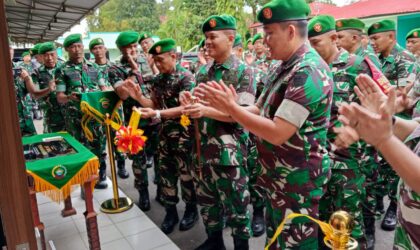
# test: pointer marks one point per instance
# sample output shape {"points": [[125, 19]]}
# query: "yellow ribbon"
{"points": [[90, 113], [333, 237]]}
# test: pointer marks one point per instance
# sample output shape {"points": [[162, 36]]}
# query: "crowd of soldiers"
{"points": [[265, 118]]}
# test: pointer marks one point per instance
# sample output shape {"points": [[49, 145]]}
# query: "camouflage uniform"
{"points": [[119, 72], [53, 115], [407, 232], [345, 190], [175, 141], [371, 157], [26, 123], [224, 187], [400, 68], [295, 173], [33, 106], [81, 78]]}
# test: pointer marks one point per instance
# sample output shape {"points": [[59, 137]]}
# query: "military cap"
{"points": [[144, 36], [26, 53], [349, 24], [256, 38], [284, 10], [415, 33], [382, 26], [222, 22], [320, 25], [46, 47], [202, 43], [163, 46], [238, 41], [35, 49], [71, 39], [94, 42], [126, 38]]}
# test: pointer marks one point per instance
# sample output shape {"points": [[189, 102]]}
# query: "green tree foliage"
{"points": [[117, 15]]}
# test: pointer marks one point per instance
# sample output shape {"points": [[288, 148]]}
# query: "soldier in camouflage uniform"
{"points": [[345, 190], [413, 45], [74, 77], [26, 122], [42, 77], [398, 65], [349, 33], [129, 69], [175, 147], [221, 174], [257, 200], [408, 226], [98, 49], [294, 113]]}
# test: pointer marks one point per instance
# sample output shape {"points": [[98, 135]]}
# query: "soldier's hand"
{"points": [[52, 86], [346, 136], [74, 96], [196, 110], [24, 74], [185, 98], [133, 63], [147, 113], [369, 93], [403, 102], [219, 96]]}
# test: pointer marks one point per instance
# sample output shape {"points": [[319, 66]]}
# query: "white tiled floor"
{"points": [[131, 230]]}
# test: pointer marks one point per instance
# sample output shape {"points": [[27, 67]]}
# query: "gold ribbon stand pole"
{"points": [[117, 204]]}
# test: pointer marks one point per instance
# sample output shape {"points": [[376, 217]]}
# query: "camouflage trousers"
{"points": [[26, 122], [345, 191], [300, 233], [141, 179], [53, 120], [257, 199], [407, 232], [175, 163], [388, 184], [370, 169], [223, 191]]}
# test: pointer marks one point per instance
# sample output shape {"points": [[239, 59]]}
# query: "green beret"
{"points": [[163, 46], [415, 33], [284, 10], [202, 43], [238, 41], [35, 49], [222, 22], [349, 24], [26, 53], [256, 37], [145, 35], [94, 42], [382, 26], [71, 39], [126, 38], [46, 47], [320, 25]]}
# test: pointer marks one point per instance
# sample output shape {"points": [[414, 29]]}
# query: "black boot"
{"points": [[122, 173], [240, 244], [171, 219], [390, 219], [190, 217], [213, 242], [370, 232], [101, 183], [258, 223], [380, 205], [144, 201], [159, 196]]}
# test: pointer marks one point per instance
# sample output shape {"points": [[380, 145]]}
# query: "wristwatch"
{"points": [[157, 116]]}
